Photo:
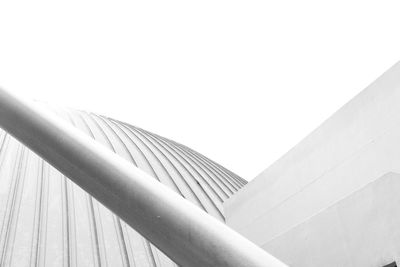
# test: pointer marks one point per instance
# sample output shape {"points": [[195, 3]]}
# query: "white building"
{"points": [[46, 220], [333, 200]]}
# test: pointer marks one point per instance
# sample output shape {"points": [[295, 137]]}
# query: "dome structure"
{"points": [[46, 220]]}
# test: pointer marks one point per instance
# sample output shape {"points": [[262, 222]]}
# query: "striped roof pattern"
{"points": [[46, 220]]}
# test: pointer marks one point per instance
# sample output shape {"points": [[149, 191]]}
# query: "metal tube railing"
{"points": [[188, 235]]}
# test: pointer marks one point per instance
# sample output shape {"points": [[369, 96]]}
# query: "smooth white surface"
{"points": [[356, 146], [253, 77], [359, 231]]}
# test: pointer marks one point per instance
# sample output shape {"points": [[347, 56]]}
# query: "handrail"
{"points": [[188, 235]]}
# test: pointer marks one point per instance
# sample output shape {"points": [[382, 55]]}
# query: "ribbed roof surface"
{"points": [[46, 220]]}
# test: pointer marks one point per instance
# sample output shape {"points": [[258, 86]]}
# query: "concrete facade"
{"points": [[331, 200], [360, 230]]}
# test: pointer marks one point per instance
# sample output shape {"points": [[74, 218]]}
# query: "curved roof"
{"points": [[46, 220]]}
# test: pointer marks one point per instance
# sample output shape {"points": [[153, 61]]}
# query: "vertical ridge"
{"points": [[9, 223]]}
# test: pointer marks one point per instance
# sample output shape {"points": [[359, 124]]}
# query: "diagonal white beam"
{"points": [[188, 235]]}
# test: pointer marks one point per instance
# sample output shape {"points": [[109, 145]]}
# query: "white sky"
{"points": [[239, 81]]}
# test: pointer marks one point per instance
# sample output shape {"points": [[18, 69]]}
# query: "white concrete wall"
{"points": [[356, 146], [361, 230]]}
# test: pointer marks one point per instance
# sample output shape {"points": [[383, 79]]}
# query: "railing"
{"points": [[185, 233]]}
